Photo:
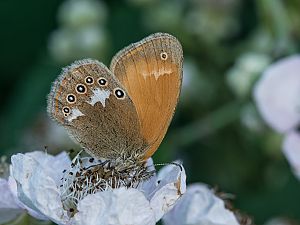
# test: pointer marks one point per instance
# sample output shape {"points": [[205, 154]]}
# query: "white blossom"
{"points": [[9, 209], [277, 94], [118, 206], [200, 206], [291, 150], [277, 98], [33, 181], [42, 187]]}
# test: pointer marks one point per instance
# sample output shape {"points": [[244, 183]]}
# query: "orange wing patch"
{"points": [[151, 71]]}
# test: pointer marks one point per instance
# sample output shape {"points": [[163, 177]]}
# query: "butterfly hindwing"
{"points": [[95, 108]]}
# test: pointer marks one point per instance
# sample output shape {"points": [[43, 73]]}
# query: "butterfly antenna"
{"points": [[167, 164]]}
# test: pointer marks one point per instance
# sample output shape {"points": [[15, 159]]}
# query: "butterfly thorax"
{"points": [[131, 173]]}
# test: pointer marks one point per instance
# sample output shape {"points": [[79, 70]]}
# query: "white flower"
{"points": [[118, 206], [291, 149], [199, 205], [9, 209], [10, 206], [40, 188], [34, 174], [277, 94], [277, 98]]}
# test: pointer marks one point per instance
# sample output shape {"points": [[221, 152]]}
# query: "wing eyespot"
{"points": [[89, 80], [66, 111], [119, 93], [102, 82], [71, 98], [80, 89], [164, 56]]}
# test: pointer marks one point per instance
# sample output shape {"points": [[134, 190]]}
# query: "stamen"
{"points": [[89, 176]]}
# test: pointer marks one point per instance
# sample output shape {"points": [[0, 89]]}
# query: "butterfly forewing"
{"points": [[151, 72], [89, 101]]}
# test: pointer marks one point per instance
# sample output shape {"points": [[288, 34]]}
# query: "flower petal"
{"points": [[14, 190], [36, 189], [291, 150], [7, 199], [148, 186], [53, 165], [21, 170], [46, 196], [170, 188], [199, 205], [9, 209], [277, 94], [114, 207]]}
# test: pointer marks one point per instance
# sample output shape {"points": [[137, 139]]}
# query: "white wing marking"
{"points": [[99, 96], [74, 114]]}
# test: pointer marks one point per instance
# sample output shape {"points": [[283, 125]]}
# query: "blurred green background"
{"points": [[216, 130]]}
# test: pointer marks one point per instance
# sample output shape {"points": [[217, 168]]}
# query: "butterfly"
{"points": [[121, 113]]}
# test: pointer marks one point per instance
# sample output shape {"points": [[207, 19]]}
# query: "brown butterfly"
{"points": [[122, 113]]}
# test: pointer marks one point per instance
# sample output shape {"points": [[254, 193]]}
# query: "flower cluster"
{"points": [[47, 187], [277, 98], [64, 191]]}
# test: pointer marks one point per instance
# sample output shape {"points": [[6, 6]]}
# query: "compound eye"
{"points": [[102, 81], [89, 80], [119, 93]]}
